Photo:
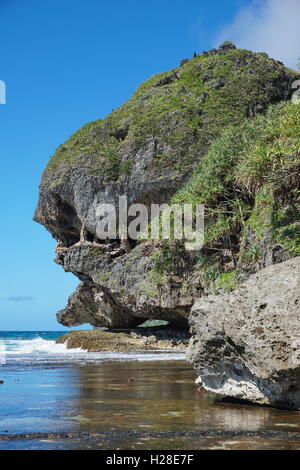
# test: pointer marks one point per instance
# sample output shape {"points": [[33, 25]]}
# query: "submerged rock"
{"points": [[246, 344]]}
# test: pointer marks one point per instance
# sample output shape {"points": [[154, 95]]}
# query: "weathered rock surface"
{"points": [[118, 292], [151, 338], [146, 150], [246, 344]]}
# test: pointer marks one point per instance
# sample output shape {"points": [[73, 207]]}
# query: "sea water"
{"points": [[39, 347], [130, 400]]}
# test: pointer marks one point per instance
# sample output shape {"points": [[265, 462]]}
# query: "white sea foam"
{"points": [[2, 354], [39, 350], [37, 346]]}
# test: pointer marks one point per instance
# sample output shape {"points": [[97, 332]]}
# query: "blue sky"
{"points": [[69, 62]]}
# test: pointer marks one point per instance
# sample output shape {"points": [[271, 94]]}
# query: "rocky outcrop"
{"points": [[120, 292], [146, 150], [151, 338], [88, 305], [246, 344]]}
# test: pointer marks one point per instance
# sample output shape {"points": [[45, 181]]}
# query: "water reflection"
{"points": [[164, 398], [125, 397]]}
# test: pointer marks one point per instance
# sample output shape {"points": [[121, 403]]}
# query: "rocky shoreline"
{"points": [[136, 339]]}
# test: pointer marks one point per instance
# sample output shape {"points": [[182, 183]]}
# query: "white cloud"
{"points": [[21, 298], [270, 26]]}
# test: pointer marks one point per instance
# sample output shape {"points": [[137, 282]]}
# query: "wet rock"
{"points": [[151, 338], [246, 344]]}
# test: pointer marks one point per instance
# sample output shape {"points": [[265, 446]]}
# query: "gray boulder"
{"points": [[246, 344]]}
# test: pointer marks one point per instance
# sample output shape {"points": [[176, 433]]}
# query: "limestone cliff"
{"points": [[179, 123]]}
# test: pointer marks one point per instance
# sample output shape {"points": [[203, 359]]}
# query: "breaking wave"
{"points": [[39, 350]]}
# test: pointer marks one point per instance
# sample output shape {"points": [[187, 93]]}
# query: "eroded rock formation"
{"points": [[246, 344], [147, 149]]}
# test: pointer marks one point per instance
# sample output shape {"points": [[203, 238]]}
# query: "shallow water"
{"points": [[126, 405]]}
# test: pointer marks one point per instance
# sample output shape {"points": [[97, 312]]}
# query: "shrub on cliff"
{"points": [[249, 182]]}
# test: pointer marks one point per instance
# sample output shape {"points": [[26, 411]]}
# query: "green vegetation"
{"points": [[152, 283], [249, 180], [287, 225], [101, 278], [182, 110], [95, 251], [249, 183], [206, 267], [205, 118], [227, 281], [171, 258]]}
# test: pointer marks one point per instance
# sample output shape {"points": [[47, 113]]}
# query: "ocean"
{"points": [[55, 398], [39, 347]]}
